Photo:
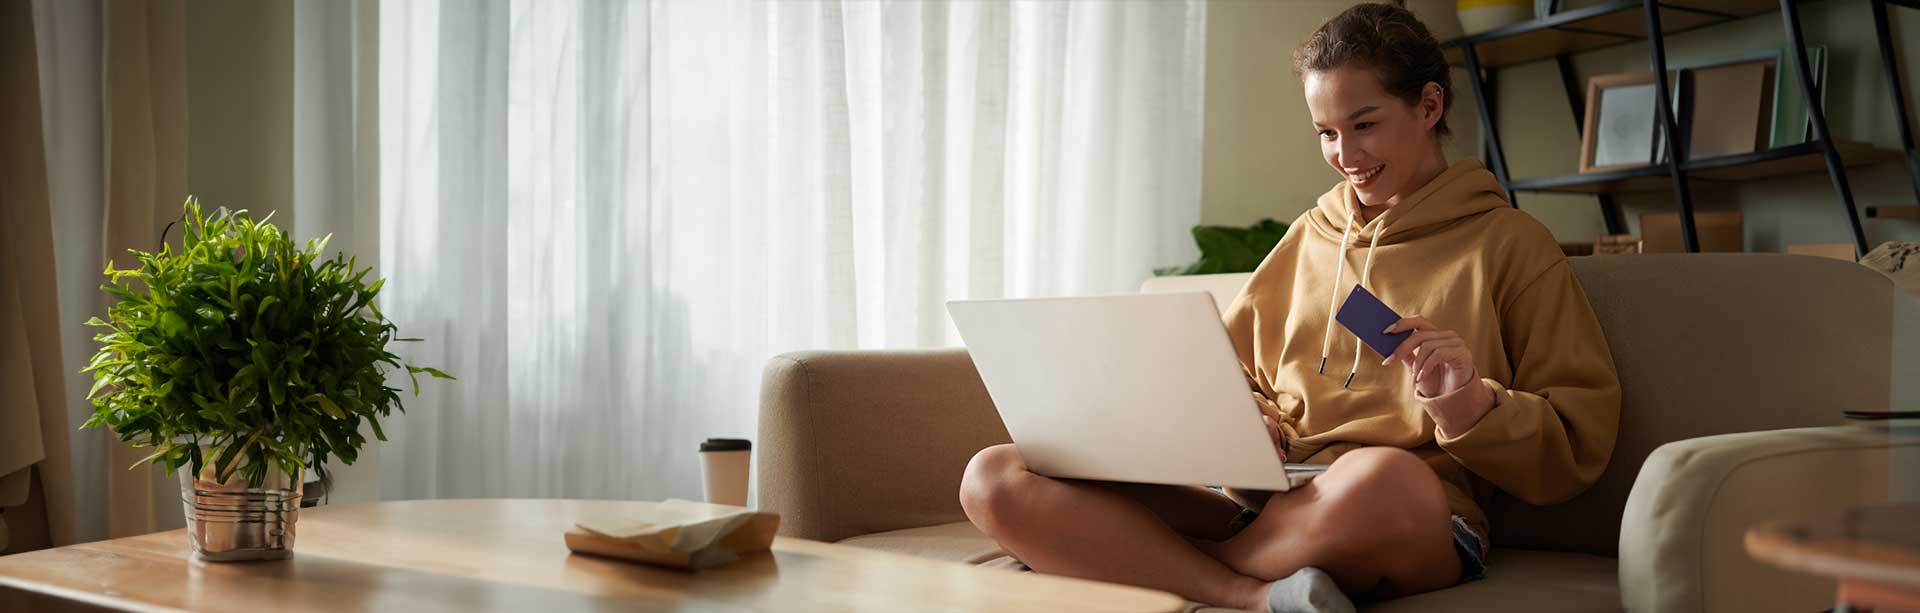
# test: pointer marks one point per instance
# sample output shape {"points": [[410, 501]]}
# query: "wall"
{"points": [[240, 105], [1261, 161]]}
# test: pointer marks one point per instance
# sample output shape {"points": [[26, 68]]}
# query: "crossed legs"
{"points": [[1376, 521]]}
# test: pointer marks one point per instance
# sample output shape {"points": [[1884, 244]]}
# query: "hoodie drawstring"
{"points": [[1326, 336], [1339, 269]]}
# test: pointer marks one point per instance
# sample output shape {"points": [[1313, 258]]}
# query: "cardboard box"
{"points": [[1719, 232], [1838, 251]]}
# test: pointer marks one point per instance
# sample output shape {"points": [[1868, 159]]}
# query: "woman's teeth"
{"points": [[1363, 177]]}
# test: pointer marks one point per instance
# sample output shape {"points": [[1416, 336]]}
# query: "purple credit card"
{"points": [[1366, 316]]}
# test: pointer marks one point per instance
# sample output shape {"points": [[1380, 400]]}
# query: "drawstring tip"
{"points": [[1323, 366], [1349, 382]]}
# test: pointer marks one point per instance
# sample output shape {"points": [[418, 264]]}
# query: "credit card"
{"points": [[1365, 315]]}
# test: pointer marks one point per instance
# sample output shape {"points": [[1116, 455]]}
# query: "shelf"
{"points": [[1894, 212], [1593, 27], [1805, 158]]}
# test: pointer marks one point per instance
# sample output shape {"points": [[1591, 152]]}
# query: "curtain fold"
{"points": [[33, 420], [145, 114], [605, 216], [111, 91], [336, 161]]}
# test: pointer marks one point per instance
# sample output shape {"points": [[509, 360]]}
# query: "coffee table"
{"points": [[1873, 551], [507, 555]]}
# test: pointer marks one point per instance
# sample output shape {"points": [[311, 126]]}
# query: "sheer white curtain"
{"points": [[605, 216]]}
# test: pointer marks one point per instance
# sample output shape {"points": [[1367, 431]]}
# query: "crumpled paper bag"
{"points": [[678, 533]]}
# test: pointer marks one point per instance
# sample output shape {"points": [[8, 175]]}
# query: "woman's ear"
{"points": [[1433, 104]]}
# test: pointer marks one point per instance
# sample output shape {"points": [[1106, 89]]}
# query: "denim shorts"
{"points": [[1471, 547]]}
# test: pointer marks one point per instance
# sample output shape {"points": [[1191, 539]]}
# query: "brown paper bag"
{"points": [[679, 534]]}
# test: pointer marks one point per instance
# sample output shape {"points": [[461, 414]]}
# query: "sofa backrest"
{"points": [[1705, 344]]}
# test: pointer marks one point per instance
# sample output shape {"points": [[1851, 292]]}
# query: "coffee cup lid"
{"points": [[726, 444]]}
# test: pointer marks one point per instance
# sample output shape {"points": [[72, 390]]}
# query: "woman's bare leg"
{"points": [[1103, 531], [1376, 521]]}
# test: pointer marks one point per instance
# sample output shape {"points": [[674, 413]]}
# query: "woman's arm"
{"points": [[1551, 428], [1241, 320]]}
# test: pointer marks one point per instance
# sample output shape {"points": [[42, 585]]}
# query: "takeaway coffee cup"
{"points": [[723, 461]]}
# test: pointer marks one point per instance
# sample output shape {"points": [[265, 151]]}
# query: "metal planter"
{"points": [[230, 521]]}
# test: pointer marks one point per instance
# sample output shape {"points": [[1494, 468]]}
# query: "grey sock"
{"points": [[1308, 590]]}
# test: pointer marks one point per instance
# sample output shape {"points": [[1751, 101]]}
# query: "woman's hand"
{"points": [[1440, 364], [1279, 439]]}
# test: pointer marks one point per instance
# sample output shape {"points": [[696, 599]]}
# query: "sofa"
{"points": [[1734, 369]]}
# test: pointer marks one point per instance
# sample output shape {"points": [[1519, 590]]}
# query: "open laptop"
{"points": [[1141, 388]]}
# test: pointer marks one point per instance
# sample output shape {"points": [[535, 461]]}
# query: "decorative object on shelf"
{"points": [[1792, 121], [1229, 249], [1899, 261], [1616, 244], [1574, 249], [1837, 251], [1478, 16], [243, 360], [1732, 107], [1719, 231], [1621, 124], [1543, 9]]}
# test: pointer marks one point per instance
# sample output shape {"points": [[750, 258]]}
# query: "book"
{"points": [[1792, 123]]}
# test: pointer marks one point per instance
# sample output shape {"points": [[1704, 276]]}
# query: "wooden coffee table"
{"points": [[507, 555], [1873, 551]]}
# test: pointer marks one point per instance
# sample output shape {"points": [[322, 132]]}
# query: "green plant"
{"points": [[240, 346], [1229, 249]]}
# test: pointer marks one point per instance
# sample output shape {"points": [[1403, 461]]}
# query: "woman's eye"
{"points": [[1363, 125], [1326, 134]]}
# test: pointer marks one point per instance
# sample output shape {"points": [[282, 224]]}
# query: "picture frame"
{"points": [[1622, 124]]}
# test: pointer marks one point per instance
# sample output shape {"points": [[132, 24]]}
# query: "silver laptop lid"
{"points": [[1140, 387]]}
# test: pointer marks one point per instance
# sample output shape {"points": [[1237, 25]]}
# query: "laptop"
{"points": [[1140, 388]]}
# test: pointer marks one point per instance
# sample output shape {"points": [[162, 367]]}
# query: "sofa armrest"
{"points": [[1681, 539], [857, 442]]}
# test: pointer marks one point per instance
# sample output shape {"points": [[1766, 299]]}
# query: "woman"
{"points": [[1505, 383]]}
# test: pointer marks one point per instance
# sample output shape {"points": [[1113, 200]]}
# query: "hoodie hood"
{"points": [[1463, 190]]}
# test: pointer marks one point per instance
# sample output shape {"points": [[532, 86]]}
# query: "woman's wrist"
{"points": [[1456, 412]]}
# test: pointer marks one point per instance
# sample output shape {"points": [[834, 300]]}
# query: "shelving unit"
{"points": [[1626, 21]]}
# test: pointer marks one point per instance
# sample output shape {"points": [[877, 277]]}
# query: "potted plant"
{"points": [[242, 360], [1226, 249]]}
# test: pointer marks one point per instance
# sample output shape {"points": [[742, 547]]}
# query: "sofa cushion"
{"points": [[1518, 579], [1525, 580]]}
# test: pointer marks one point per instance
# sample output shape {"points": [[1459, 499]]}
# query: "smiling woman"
{"points": [[1523, 399]]}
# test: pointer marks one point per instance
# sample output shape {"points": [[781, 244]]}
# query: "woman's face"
{"points": [[1379, 143]]}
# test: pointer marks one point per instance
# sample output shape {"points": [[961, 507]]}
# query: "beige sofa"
{"points": [[1734, 367]]}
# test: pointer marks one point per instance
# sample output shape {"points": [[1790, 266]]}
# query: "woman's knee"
{"points": [[1387, 493], [986, 485]]}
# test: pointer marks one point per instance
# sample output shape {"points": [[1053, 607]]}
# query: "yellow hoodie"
{"points": [[1456, 253]]}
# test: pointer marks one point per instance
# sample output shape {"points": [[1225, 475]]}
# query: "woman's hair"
{"points": [[1388, 40]]}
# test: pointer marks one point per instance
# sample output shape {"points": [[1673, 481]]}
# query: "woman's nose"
{"points": [[1346, 152]]}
